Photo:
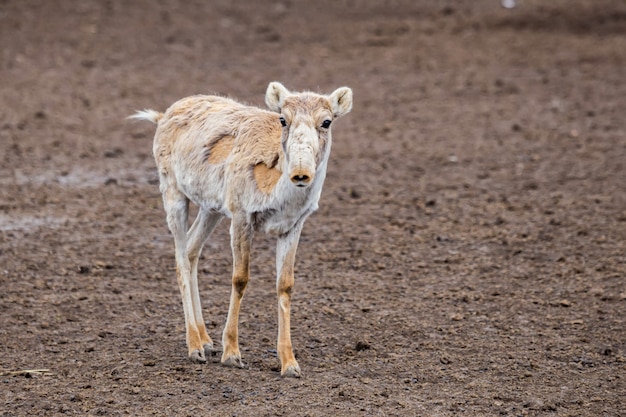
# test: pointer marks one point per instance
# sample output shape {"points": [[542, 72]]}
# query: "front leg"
{"points": [[285, 258], [241, 241]]}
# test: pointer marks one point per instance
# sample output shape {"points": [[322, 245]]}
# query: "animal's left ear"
{"points": [[275, 96], [341, 101]]}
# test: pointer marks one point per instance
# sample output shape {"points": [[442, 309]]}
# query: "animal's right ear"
{"points": [[275, 96]]}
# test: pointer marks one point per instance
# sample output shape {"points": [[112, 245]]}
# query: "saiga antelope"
{"points": [[262, 169]]}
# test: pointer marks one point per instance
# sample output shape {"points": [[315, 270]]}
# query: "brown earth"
{"points": [[468, 257]]}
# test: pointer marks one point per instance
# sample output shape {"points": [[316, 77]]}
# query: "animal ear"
{"points": [[275, 96], [341, 101]]}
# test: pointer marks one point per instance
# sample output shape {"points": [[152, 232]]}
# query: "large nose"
{"points": [[302, 155], [301, 179]]}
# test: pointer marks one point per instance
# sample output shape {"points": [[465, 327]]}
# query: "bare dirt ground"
{"points": [[468, 257]]}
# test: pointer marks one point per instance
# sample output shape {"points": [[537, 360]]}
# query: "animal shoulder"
{"points": [[250, 134]]}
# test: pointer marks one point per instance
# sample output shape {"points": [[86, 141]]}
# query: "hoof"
{"points": [[291, 371], [209, 350], [232, 360], [197, 356]]}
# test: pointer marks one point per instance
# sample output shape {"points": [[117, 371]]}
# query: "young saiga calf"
{"points": [[262, 169]]}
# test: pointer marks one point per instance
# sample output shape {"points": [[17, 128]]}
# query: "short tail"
{"points": [[149, 115]]}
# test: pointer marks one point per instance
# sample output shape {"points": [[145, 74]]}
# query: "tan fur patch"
{"points": [[266, 177], [204, 337], [195, 342], [220, 150]]}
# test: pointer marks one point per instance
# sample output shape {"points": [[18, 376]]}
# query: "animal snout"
{"points": [[301, 179]]}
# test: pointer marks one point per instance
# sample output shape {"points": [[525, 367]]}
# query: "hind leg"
{"points": [[177, 208], [200, 231]]}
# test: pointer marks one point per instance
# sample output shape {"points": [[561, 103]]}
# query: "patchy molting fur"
{"points": [[237, 161]]}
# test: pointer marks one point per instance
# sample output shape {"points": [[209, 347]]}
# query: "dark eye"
{"points": [[283, 121], [326, 124]]}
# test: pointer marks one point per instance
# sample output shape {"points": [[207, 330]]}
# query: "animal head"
{"points": [[306, 119]]}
